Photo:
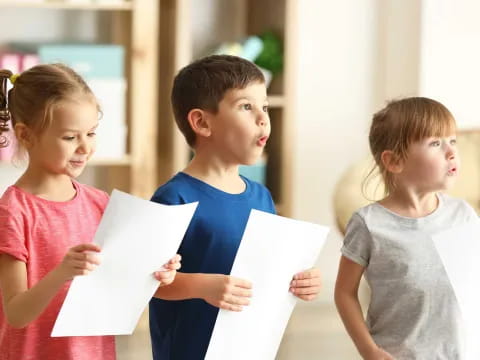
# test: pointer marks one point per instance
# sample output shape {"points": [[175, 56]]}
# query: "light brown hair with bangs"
{"points": [[401, 123], [36, 93]]}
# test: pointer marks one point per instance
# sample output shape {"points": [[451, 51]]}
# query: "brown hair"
{"points": [[35, 94], [4, 113], [401, 123], [203, 84]]}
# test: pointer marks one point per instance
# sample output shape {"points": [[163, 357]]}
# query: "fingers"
{"points": [[233, 303], [164, 275], [314, 282], [306, 284], [86, 247], [85, 257], [308, 274], [313, 290], [240, 282], [176, 259], [171, 266], [231, 307], [82, 265], [237, 291]]}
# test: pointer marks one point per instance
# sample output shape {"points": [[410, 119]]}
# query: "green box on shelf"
{"points": [[90, 61], [256, 172]]}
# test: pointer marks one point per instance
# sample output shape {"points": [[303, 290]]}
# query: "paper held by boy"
{"points": [[272, 250], [458, 248], [137, 237]]}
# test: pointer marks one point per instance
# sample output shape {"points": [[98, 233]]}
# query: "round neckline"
{"points": [[212, 190], [46, 201], [412, 220]]}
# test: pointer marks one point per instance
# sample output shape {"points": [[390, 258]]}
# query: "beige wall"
{"points": [[353, 56]]}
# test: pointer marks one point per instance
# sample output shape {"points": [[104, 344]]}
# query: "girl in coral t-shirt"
{"points": [[47, 219]]}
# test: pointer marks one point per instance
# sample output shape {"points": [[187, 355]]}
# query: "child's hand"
{"points": [[166, 275], [378, 354], [79, 260], [306, 285], [227, 292]]}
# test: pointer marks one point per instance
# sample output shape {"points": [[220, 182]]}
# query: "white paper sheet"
{"points": [[137, 237], [459, 250], [272, 250]]}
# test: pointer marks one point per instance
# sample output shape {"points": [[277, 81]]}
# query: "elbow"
{"points": [[337, 296], [13, 319], [16, 323]]}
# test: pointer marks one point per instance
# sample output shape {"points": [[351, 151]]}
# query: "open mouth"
{"points": [[452, 171], [262, 141]]}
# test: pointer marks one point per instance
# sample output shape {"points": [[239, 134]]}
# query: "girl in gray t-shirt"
{"points": [[413, 313]]}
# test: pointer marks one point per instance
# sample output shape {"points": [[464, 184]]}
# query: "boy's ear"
{"points": [[24, 135], [392, 162], [199, 122]]}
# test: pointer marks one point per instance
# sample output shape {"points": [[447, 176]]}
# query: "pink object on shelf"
{"points": [[28, 61]]}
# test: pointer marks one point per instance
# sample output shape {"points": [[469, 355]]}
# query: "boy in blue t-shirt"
{"points": [[221, 107]]}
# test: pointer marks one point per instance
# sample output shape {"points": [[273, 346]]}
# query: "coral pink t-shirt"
{"points": [[39, 232]]}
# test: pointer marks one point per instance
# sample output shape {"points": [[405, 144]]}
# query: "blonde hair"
{"points": [[35, 94], [401, 123]]}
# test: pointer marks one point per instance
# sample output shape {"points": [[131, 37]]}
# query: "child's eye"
{"points": [[453, 142], [68, 138], [435, 143], [247, 106], [92, 134]]}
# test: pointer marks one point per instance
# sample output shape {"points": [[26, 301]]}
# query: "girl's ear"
{"points": [[199, 122], [24, 135], [392, 162]]}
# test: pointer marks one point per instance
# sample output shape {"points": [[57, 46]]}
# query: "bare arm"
{"points": [[22, 305], [348, 305], [223, 291]]}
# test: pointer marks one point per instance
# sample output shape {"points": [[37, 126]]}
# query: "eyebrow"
{"points": [[246, 98], [76, 130]]}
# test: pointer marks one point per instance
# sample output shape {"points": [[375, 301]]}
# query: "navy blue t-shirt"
{"points": [[181, 330]]}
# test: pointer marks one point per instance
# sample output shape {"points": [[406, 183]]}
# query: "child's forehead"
{"points": [[73, 115], [254, 90]]}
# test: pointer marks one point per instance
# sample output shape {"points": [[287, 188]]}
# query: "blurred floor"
{"points": [[314, 332]]}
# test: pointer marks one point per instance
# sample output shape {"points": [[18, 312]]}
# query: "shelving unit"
{"points": [[61, 4], [185, 37], [135, 25]]}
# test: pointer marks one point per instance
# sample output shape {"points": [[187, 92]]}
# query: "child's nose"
{"points": [[450, 153], [84, 147], [263, 119]]}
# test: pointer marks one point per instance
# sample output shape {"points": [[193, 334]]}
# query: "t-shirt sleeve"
{"points": [[167, 195], [357, 244], [12, 237]]}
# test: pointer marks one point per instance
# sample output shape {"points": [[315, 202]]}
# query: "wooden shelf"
{"points": [[276, 101], [66, 5], [125, 161], [133, 24]]}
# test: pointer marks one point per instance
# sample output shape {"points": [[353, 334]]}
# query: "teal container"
{"points": [[256, 172], [90, 61]]}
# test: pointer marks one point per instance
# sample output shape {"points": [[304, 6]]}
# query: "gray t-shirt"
{"points": [[413, 313]]}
